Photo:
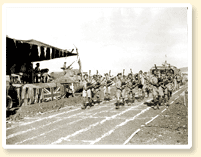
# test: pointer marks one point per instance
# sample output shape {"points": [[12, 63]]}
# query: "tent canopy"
{"points": [[19, 52]]}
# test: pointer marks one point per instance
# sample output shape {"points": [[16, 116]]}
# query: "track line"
{"points": [[117, 126], [131, 137], [49, 117], [149, 121], [22, 132], [93, 125], [60, 127]]}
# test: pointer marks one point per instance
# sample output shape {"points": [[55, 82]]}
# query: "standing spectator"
{"points": [[37, 72], [23, 73]]}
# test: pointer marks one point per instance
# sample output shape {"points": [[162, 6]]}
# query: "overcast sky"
{"points": [[107, 38]]}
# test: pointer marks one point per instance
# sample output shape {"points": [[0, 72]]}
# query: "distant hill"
{"points": [[184, 69]]}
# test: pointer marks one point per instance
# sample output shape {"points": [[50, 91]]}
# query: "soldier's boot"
{"points": [[159, 102], [123, 101], [117, 104], [156, 104], [98, 100], [84, 105], [90, 101]]}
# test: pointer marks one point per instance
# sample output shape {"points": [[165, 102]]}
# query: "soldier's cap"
{"points": [[129, 74], [140, 71], [86, 75], [106, 74], [119, 74], [145, 72]]}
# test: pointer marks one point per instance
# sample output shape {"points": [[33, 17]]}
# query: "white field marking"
{"points": [[131, 137], [117, 126], [58, 120], [163, 110], [49, 117], [60, 127], [176, 98], [171, 102], [21, 124], [151, 119], [92, 125], [145, 124], [43, 118]]}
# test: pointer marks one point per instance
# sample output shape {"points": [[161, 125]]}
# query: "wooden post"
{"points": [[89, 75], [110, 73], [52, 92], [123, 72], [96, 72]]}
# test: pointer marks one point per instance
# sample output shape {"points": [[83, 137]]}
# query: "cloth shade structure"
{"points": [[19, 52]]}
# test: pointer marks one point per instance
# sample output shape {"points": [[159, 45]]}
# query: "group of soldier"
{"points": [[161, 85]]}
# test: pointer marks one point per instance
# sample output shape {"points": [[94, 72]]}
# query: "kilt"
{"points": [[84, 93], [146, 88], [160, 91], [169, 86], [107, 90], [157, 91], [89, 93]]}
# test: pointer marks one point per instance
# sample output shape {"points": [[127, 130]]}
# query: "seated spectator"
{"points": [[45, 77]]}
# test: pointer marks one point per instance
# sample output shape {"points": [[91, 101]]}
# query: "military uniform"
{"points": [[107, 84], [178, 77], [123, 89], [131, 93], [141, 82], [96, 90], [146, 86], [156, 90], [165, 88], [86, 94], [170, 86], [118, 85]]}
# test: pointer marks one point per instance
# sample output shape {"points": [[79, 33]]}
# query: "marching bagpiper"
{"points": [[108, 82], [157, 91], [131, 84], [118, 85], [86, 94]]}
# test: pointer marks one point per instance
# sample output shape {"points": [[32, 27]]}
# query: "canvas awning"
{"points": [[26, 51], [35, 50]]}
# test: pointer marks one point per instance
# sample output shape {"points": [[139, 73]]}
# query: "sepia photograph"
{"points": [[104, 76]]}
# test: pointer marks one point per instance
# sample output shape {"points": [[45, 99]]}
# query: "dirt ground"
{"points": [[18, 114], [169, 128]]}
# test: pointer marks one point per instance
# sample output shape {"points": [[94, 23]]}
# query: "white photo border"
{"points": [[98, 5]]}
